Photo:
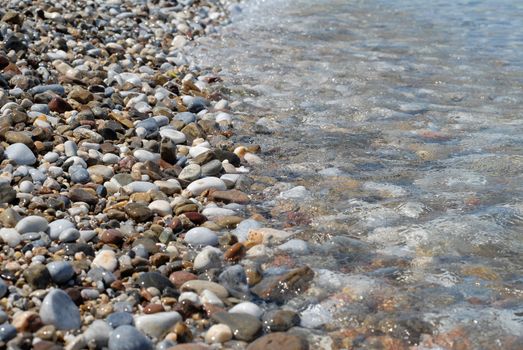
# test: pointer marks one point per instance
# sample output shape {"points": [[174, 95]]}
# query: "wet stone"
{"points": [[279, 341], [59, 310], [138, 212], [37, 276], [243, 326], [280, 320], [118, 319], [20, 154], [154, 279], [60, 271], [128, 338], [7, 195], [282, 287]]}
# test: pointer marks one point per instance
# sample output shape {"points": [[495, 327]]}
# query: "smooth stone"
{"points": [[70, 148], [161, 207], [298, 192], [7, 332], [60, 311], [117, 319], [32, 223], [217, 211], [247, 307], [101, 170], [174, 135], [189, 296], [79, 174], [280, 320], [138, 212], [208, 297], [60, 271], [190, 173], [26, 186], [242, 230], [10, 217], [10, 236], [185, 117], [69, 235], [3, 288], [153, 279], [98, 333], [201, 236], [51, 157], [158, 324], [279, 340], [282, 287], [128, 338], [58, 226], [143, 156], [37, 276], [244, 327], [223, 117], [199, 286], [218, 333], [230, 196], [268, 235], [206, 183], [20, 154], [295, 246], [212, 168], [105, 259], [209, 257], [169, 187], [140, 186]]}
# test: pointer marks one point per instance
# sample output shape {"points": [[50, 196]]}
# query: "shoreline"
{"points": [[125, 207]]}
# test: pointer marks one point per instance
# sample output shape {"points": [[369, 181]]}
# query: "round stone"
{"points": [[69, 235], [106, 259], [117, 319], [158, 324], [128, 338], [26, 186], [174, 135], [10, 236], [32, 223], [201, 236], [247, 307], [190, 173], [60, 271], [161, 207], [7, 332], [58, 226], [207, 183], [143, 156], [20, 154], [79, 174], [60, 311], [219, 333]]}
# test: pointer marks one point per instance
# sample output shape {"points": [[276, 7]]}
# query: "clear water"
{"points": [[403, 120]]}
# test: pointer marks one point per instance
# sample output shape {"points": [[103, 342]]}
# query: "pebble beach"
{"points": [[126, 210]]}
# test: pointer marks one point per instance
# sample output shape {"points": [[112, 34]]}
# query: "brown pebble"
{"points": [[178, 278], [153, 308], [195, 217], [279, 340], [235, 253], [183, 333]]}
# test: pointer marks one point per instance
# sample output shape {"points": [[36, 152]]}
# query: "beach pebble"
{"points": [[60, 271], [7, 332], [247, 307], [201, 236], [208, 258], [26, 186], [105, 259], [206, 183], [60, 311], [117, 319], [32, 223], [161, 207], [58, 226], [128, 338], [10, 236], [218, 333], [156, 325], [98, 333], [20, 154]]}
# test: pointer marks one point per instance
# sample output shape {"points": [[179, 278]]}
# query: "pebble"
{"points": [[200, 285], [58, 226], [10, 236], [105, 259], [174, 135], [128, 337], [201, 236], [20, 154], [218, 333], [279, 340], [7, 332], [158, 324], [26, 186], [247, 307], [208, 258], [118, 319], [297, 246], [69, 235], [160, 207], [154, 279], [3, 288], [60, 311], [243, 326], [206, 183], [60, 271], [280, 320], [32, 223], [191, 172], [98, 333]]}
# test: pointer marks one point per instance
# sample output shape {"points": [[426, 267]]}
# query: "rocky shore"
{"points": [[128, 215]]}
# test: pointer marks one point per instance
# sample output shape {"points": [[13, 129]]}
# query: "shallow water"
{"points": [[402, 120]]}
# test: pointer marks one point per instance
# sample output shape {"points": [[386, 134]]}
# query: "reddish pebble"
{"points": [[180, 277]]}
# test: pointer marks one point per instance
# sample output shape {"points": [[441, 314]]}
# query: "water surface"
{"points": [[403, 121]]}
